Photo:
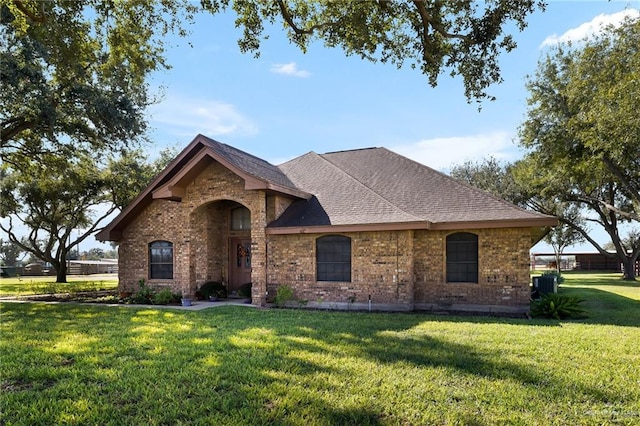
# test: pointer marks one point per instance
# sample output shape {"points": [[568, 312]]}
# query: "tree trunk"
{"points": [[558, 260], [629, 268], [61, 272]]}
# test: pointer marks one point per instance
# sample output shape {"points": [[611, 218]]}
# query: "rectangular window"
{"points": [[161, 260], [333, 258], [462, 258]]}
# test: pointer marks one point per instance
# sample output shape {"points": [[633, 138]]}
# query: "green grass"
{"points": [[23, 286], [77, 364]]}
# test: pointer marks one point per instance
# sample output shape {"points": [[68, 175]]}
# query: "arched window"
{"points": [[240, 219], [333, 258], [161, 260], [462, 258]]}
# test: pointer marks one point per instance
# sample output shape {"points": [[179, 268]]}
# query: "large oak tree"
{"points": [[583, 133]]}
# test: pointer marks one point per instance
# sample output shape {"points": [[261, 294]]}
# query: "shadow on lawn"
{"points": [[233, 365]]}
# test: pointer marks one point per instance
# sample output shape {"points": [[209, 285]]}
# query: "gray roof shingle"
{"points": [[376, 185], [248, 163]]}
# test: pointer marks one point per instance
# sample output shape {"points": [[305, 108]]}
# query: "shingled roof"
{"points": [[364, 189], [378, 186]]}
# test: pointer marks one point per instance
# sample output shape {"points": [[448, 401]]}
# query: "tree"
{"points": [[463, 38], [500, 179], [54, 198], [73, 73], [489, 175], [51, 199], [582, 131], [10, 253], [562, 236]]}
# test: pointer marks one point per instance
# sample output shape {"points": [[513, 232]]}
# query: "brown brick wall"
{"points": [[407, 270], [198, 226], [381, 268], [503, 269]]}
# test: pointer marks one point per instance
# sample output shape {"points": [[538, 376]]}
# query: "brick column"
{"points": [[259, 250]]}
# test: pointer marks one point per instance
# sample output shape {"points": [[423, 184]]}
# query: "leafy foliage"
{"points": [[557, 306], [144, 295], [461, 38], [581, 130], [213, 288], [164, 297], [245, 290], [284, 294], [83, 89], [10, 253]]}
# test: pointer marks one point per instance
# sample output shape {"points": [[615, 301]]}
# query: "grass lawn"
{"points": [[23, 286], [78, 364]]}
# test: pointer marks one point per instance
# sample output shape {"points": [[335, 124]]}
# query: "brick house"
{"points": [[341, 229]]}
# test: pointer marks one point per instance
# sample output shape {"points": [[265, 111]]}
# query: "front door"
{"points": [[239, 263]]}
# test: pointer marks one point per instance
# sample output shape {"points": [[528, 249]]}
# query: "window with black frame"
{"points": [[333, 258], [462, 258], [161, 260]]}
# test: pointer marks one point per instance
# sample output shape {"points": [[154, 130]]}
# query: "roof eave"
{"points": [[544, 221], [357, 227]]}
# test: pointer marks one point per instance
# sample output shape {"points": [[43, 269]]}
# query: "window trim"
{"points": [[449, 264], [338, 239], [160, 244]]}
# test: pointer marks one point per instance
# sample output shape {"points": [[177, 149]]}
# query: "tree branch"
{"points": [[299, 31], [22, 8], [10, 128], [427, 20], [634, 189]]}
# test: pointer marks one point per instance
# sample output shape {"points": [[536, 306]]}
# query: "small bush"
{"points": [[558, 306], [163, 297], [144, 296], [213, 288], [283, 295], [245, 290]]}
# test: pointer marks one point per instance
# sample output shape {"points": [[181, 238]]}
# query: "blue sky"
{"points": [[287, 103]]}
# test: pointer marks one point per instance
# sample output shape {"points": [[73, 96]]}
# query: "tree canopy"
{"points": [[583, 132], [74, 73], [459, 37]]}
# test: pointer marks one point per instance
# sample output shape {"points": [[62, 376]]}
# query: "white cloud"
{"points": [[442, 153], [289, 69], [590, 28], [190, 116]]}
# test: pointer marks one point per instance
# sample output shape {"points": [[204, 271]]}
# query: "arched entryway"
{"points": [[221, 242]]}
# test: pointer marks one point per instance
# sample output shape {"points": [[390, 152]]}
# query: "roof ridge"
{"points": [[371, 190], [350, 150], [231, 150]]}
